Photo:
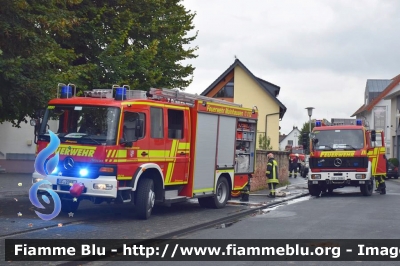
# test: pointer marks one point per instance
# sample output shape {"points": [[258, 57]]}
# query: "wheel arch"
{"points": [[151, 171]]}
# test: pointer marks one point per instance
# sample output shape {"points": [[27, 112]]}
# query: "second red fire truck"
{"points": [[345, 155]]}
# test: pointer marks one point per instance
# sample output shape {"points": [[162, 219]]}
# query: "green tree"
{"points": [[31, 60], [305, 130], [93, 44], [264, 142]]}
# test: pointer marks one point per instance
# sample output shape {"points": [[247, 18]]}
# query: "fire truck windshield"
{"points": [[343, 139], [83, 124]]}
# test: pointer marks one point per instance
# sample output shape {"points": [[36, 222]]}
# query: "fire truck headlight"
{"points": [[83, 172], [360, 176], [36, 179], [102, 186], [316, 176]]}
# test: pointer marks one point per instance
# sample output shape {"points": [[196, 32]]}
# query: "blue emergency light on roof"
{"points": [[120, 93], [317, 123], [359, 122], [66, 92]]}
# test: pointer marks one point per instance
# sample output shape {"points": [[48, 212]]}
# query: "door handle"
{"points": [[182, 153], [144, 153]]}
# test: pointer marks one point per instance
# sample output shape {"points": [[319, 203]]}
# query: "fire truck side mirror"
{"points": [[373, 135]]}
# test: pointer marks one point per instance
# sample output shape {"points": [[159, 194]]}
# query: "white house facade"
{"points": [[291, 139]]}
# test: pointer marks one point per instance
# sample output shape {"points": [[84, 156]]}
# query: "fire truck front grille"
{"points": [[91, 170], [339, 162]]}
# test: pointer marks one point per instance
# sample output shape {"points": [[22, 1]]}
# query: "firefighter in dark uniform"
{"points": [[293, 165], [272, 175]]}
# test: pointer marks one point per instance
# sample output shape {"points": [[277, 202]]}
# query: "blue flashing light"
{"points": [[120, 93], [359, 122], [83, 172], [318, 123], [66, 92]]}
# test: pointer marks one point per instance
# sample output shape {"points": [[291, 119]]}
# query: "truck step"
{"points": [[175, 199], [125, 188]]}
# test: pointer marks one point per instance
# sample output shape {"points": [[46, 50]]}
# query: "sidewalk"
{"points": [[297, 188]]}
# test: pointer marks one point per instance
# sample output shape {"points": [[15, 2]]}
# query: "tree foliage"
{"points": [[93, 44]]}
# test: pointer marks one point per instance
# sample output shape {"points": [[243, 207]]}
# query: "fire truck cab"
{"points": [[163, 146], [345, 155]]}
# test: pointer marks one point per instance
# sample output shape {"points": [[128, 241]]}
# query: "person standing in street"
{"points": [[293, 165], [272, 175]]}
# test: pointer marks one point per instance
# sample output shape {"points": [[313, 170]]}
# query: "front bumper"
{"points": [[347, 182], [89, 184]]}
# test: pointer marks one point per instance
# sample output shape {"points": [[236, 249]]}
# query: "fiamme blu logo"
{"points": [[44, 169]]}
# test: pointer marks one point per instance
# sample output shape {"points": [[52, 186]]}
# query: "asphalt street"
{"points": [[345, 214], [110, 221]]}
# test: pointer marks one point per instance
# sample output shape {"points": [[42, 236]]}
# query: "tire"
{"points": [[329, 190], [396, 177], [145, 198], [314, 190], [222, 194], [68, 206], [367, 189]]}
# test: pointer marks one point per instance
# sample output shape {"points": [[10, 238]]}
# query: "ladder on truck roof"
{"points": [[186, 97]]}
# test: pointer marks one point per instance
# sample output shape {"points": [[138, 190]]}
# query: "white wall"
{"points": [[290, 136], [16, 140]]}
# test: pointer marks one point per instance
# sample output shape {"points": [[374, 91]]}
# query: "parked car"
{"points": [[304, 167], [392, 171]]}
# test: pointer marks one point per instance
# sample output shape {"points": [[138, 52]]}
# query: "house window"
{"points": [[379, 118], [226, 91], [290, 142]]}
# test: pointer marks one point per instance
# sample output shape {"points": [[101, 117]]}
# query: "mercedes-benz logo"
{"points": [[69, 163], [337, 162]]}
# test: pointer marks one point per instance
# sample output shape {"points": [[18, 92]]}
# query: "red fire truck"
{"points": [[345, 155], [163, 146]]}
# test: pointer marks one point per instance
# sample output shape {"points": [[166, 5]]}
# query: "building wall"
{"points": [[249, 93], [16, 140], [290, 136], [259, 180]]}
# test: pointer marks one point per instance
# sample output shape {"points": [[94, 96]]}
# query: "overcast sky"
{"points": [[319, 52]]}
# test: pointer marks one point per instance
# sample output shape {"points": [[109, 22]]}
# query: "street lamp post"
{"points": [[309, 110]]}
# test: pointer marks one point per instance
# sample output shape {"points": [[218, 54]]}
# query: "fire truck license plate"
{"points": [[338, 178], [65, 182]]}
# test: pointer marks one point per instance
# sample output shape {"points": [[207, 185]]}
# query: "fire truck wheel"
{"points": [[367, 189], [68, 206], [145, 198], [222, 195], [314, 190]]}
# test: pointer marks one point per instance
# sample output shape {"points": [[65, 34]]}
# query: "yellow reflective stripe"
{"points": [[124, 177], [109, 153], [156, 104], [113, 153], [203, 190], [172, 164], [156, 153], [77, 147], [121, 154]]}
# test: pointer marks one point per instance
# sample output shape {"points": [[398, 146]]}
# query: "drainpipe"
{"points": [[266, 121]]}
